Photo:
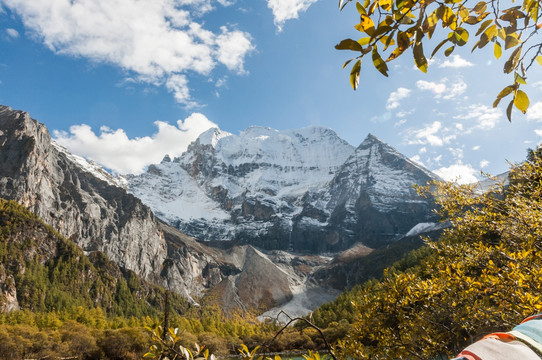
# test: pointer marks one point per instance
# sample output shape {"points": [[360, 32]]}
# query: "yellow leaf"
{"points": [[521, 101], [491, 32], [379, 63], [461, 36], [520, 79], [510, 41], [360, 8], [504, 92], [385, 4], [497, 50], [432, 19], [463, 12], [354, 75], [366, 25], [480, 7], [364, 41], [419, 57]]}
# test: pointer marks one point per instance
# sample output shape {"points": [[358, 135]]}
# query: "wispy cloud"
{"points": [[432, 134], [395, 98], [535, 112], [159, 42], [481, 116], [400, 123], [455, 61], [284, 10], [456, 89], [441, 89], [436, 88], [116, 151], [12, 34]]}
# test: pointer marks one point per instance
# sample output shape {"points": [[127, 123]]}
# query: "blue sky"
{"points": [[124, 82]]}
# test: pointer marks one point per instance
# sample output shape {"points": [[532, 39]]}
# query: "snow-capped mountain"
{"points": [[303, 190], [275, 189], [371, 199], [86, 204]]}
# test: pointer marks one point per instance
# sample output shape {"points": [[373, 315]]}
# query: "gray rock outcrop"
{"points": [[84, 208]]}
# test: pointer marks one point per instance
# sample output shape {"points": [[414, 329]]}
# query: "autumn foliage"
{"points": [[388, 28], [484, 275]]}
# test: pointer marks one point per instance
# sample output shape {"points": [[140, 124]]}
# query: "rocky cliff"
{"points": [[94, 213]]}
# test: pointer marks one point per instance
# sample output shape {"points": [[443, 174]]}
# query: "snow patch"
{"points": [[92, 167], [305, 300], [420, 228]]}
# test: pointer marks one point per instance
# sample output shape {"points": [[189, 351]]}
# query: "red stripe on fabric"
{"points": [[469, 355], [533, 317], [500, 336]]}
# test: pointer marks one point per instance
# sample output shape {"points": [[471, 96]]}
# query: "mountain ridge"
{"points": [[87, 206], [277, 189]]}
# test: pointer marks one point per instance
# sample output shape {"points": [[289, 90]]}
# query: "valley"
{"points": [[259, 223]]}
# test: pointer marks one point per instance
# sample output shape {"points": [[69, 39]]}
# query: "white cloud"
{"points": [[538, 132], [456, 152], [455, 61], [417, 160], [12, 33], [232, 48], [484, 163], [459, 172], [436, 88], [535, 112], [432, 134], [178, 85], [395, 97], [476, 147], [400, 123], [156, 41], [287, 9], [457, 88], [441, 90], [226, 2], [402, 114], [113, 149], [485, 118]]}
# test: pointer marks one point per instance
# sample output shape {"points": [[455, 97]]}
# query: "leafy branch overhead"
{"points": [[391, 27]]}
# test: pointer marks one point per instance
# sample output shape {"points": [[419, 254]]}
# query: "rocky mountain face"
{"points": [[272, 203], [301, 190], [84, 204], [97, 215]]}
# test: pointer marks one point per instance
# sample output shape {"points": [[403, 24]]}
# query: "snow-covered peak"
{"points": [[212, 136], [308, 147], [375, 151], [371, 139]]}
